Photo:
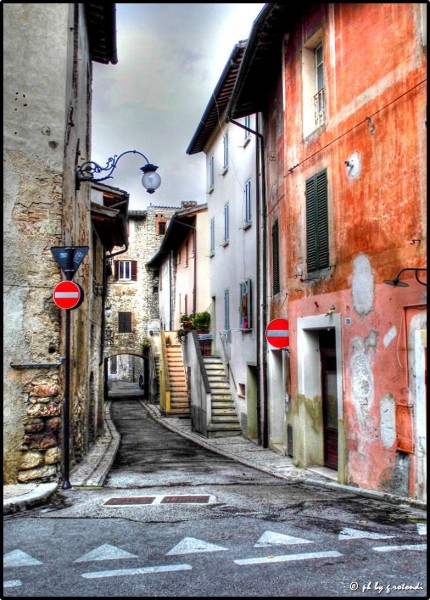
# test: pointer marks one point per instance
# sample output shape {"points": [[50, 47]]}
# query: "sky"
{"points": [[170, 58]]}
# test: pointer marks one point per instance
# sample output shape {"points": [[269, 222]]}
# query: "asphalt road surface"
{"points": [[175, 519]]}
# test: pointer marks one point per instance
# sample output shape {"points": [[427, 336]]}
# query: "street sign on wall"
{"points": [[69, 258], [68, 295], [278, 334]]}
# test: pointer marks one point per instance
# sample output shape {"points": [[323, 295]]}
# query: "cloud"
{"points": [[170, 57]]}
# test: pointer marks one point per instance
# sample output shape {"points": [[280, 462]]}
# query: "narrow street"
{"points": [[174, 519]]}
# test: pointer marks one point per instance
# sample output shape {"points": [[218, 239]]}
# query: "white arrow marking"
{"points": [[404, 547], [422, 528], [18, 558], [105, 552], [12, 583], [141, 571], [350, 534], [270, 538], [286, 558], [191, 545]]}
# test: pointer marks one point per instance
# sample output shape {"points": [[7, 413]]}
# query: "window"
{"points": [[319, 86], [113, 365], [247, 124], [245, 308], [211, 174], [226, 223], [124, 322], [126, 270], [226, 309], [247, 203], [212, 236], [275, 258], [317, 248], [225, 143], [314, 92], [161, 228]]}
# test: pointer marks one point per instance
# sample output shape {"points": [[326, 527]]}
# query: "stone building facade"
{"points": [[132, 311], [47, 47]]}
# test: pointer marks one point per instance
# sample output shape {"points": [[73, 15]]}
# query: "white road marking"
{"points": [[12, 583], [422, 528], [191, 545], [18, 558], [287, 558], [139, 571], [271, 538], [106, 552], [350, 534], [404, 547]]}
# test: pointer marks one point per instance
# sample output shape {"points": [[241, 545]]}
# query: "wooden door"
{"points": [[329, 401]]}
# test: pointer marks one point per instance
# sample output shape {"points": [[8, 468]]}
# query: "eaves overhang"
{"points": [[262, 60], [179, 226], [101, 27], [110, 217], [219, 100]]}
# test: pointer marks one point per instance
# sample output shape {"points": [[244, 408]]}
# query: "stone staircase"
{"points": [[179, 401], [224, 421]]}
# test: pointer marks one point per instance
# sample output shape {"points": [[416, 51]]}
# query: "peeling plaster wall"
{"points": [[375, 211]]}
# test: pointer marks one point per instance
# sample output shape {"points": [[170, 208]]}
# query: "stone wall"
{"points": [[138, 297]]}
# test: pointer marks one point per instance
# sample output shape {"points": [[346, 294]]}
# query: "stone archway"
{"points": [[145, 367]]}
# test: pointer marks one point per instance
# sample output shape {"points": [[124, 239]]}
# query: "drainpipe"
{"points": [[263, 432]]}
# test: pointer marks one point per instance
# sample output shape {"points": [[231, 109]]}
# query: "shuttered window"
{"points": [[226, 309], [317, 246], [124, 322], [126, 270], [275, 257]]}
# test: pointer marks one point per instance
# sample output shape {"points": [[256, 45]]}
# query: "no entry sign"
{"points": [[68, 295], [277, 333]]}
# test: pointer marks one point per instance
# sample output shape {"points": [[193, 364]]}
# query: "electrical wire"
{"points": [[366, 119]]}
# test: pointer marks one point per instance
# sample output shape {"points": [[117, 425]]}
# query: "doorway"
{"points": [[327, 343]]}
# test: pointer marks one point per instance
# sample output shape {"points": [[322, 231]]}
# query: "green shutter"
{"points": [[317, 243]]}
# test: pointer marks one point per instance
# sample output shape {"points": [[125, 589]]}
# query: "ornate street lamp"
{"points": [[150, 179], [397, 283]]}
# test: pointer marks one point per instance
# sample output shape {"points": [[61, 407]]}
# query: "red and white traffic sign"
{"points": [[68, 294], [278, 334]]}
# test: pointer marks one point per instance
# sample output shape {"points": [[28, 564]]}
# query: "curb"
{"points": [[95, 467], [391, 498], [39, 495]]}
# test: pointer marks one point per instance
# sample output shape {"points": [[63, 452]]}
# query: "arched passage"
{"points": [[127, 366]]}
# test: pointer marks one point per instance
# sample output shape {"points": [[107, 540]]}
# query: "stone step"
{"points": [[224, 411], [225, 419]]}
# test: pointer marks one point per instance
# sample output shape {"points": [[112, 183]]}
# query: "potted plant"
{"points": [[186, 322], [202, 321]]}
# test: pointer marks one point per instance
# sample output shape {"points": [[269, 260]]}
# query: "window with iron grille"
{"points": [[124, 322], [317, 240], [275, 258]]}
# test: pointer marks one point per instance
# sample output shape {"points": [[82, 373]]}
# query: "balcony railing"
{"points": [[319, 107]]}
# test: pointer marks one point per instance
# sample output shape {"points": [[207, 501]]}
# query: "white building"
{"points": [[231, 199]]}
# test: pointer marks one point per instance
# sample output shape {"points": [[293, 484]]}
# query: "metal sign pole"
{"points": [[66, 409]]}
